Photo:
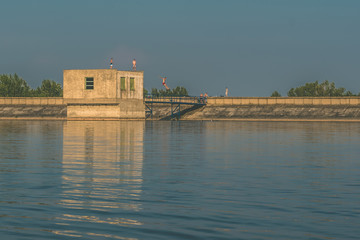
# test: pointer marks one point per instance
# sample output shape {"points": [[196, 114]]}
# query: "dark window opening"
{"points": [[89, 83]]}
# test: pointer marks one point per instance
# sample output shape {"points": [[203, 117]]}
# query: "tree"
{"points": [[155, 92], [291, 93], [179, 92], [145, 92], [175, 92], [324, 89], [48, 88], [275, 94], [13, 86], [164, 93]]}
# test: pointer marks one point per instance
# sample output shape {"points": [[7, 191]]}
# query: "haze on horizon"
{"points": [[252, 47]]}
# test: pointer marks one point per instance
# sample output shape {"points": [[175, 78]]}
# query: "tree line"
{"points": [[316, 89], [15, 86], [175, 92]]}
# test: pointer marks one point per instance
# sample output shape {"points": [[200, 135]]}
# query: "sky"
{"points": [[252, 47]]}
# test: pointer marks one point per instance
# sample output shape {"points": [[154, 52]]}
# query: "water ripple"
{"points": [[179, 180]]}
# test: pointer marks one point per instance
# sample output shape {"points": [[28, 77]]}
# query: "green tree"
{"points": [[164, 93], [175, 92], [179, 92], [48, 88], [275, 94], [145, 92], [291, 92], [13, 86], [349, 94], [324, 89], [155, 92]]}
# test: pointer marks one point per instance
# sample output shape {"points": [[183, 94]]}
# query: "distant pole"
{"points": [[111, 63], [134, 65]]}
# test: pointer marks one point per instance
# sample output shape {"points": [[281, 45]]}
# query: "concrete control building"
{"points": [[104, 94]]}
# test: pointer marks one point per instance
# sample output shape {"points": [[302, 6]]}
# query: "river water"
{"points": [[179, 180]]}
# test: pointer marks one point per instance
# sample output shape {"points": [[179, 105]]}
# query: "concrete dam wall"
{"points": [[344, 108], [281, 112], [32, 108], [217, 108], [33, 111], [60, 108]]}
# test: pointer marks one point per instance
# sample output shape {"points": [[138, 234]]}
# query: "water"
{"points": [[179, 180]]}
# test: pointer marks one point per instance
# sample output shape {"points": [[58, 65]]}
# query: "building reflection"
{"points": [[102, 166]]}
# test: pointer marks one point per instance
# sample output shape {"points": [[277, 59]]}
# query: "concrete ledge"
{"points": [[104, 119], [275, 120], [93, 104], [31, 101], [91, 100], [226, 101], [35, 118], [32, 111], [273, 111]]}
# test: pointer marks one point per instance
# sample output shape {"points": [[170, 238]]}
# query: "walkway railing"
{"points": [[181, 100]]}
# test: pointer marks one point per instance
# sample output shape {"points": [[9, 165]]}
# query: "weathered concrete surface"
{"points": [[121, 109], [31, 101], [212, 112], [108, 98], [219, 101], [33, 111], [163, 111], [93, 111], [107, 84], [305, 112], [217, 109], [132, 109]]}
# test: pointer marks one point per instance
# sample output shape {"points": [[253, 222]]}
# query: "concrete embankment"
{"points": [[278, 112], [300, 109], [32, 108], [163, 111], [256, 109], [33, 111]]}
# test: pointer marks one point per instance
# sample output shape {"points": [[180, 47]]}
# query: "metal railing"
{"points": [[181, 100]]}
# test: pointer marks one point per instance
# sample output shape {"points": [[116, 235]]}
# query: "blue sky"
{"points": [[252, 47]]}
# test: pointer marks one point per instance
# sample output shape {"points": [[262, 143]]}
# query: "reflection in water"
{"points": [[102, 170]]}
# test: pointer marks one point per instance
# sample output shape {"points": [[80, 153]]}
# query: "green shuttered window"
{"points": [[122, 83], [132, 84], [89, 83]]}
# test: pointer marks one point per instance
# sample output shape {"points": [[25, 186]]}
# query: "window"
{"points": [[122, 83], [132, 84], [89, 83]]}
